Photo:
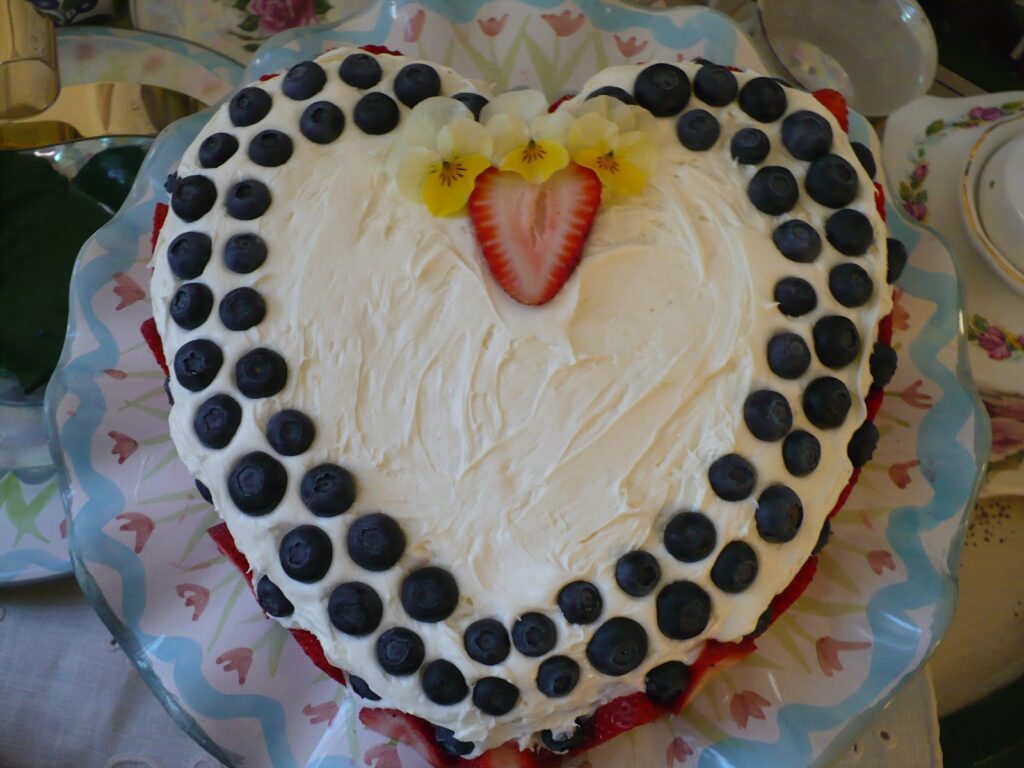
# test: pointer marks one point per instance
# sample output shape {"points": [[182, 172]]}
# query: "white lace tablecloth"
{"points": [[70, 699]]}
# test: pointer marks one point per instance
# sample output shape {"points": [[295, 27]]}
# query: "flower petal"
{"points": [[553, 127], [592, 131], [524, 104], [507, 132], [411, 167], [637, 148], [464, 136], [537, 162], [428, 118], [446, 191]]}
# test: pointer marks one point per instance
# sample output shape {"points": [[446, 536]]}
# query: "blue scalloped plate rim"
{"points": [[953, 492]]}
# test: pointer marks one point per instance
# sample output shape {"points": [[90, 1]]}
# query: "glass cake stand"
{"points": [[886, 586]]}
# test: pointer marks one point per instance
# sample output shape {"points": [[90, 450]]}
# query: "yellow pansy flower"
{"points": [[614, 140], [527, 140], [440, 153]]}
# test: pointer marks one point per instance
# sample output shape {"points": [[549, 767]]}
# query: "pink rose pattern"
{"points": [[998, 342], [279, 15]]}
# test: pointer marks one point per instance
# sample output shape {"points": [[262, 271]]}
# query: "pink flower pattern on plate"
{"points": [[1007, 436], [493, 26], [986, 113], [630, 47], [139, 524], [114, 373], [678, 751], [993, 341], [321, 713], [237, 660], [127, 290], [745, 705], [563, 23], [881, 560], [414, 26], [899, 473], [828, 649], [279, 15], [196, 597], [914, 397], [124, 446], [383, 756]]}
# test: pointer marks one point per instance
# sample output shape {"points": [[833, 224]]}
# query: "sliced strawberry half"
{"points": [[532, 235], [510, 756], [411, 731], [835, 103]]}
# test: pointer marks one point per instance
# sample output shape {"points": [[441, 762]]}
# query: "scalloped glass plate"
{"points": [[32, 542], [886, 586]]}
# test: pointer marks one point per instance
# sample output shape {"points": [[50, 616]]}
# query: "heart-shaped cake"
{"points": [[516, 409]]}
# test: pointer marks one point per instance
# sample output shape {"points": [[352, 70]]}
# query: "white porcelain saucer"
{"points": [[925, 154]]}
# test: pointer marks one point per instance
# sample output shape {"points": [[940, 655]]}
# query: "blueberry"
{"points": [[779, 514], [883, 363], [305, 79], [322, 122], [850, 285], [823, 537], [763, 99], [217, 420], [249, 106], [614, 91], [566, 741], [399, 651], [690, 537], [495, 696], [764, 621], [698, 130], [773, 190], [749, 146], [795, 296], [261, 372], [375, 542], [443, 683], [862, 445], [188, 254], [272, 599], [290, 432], [204, 492], [534, 634], [217, 149], [416, 82], [896, 254], [767, 415], [617, 647], [270, 148], [684, 610], [430, 594], [361, 689], [196, 364], [736, 567], [580, 602], [788, 355], [850, 232], [487, 641], [193, 197], [557, 676], [248, 200], [474, 102], [355, 608], [832, 181], [376, 114], [826, 402], [662, 89], [445, 738], [836, 341], [807, 135], [305, 553], [716, 86], [867, 160], [241, 309], [191, 305], [732, 477], [257, 484], [797, 240], [637, 573], [244, 253], [667, 682], [360, 70], [171, 183], [801, 453], [328, 490]]}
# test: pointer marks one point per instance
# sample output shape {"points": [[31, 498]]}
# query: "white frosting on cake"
{"points": [[519, 447]]}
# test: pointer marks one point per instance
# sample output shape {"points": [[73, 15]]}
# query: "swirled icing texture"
{"points": [[520, 447]]}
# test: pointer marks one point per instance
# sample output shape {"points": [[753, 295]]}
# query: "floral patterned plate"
{"points": [[886, 586], [925, 153], [32, 532]]}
